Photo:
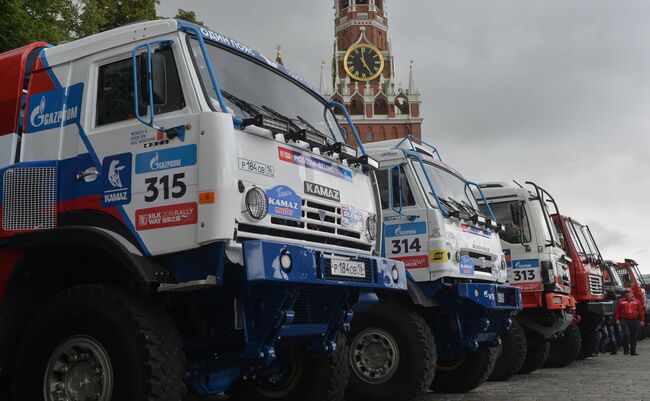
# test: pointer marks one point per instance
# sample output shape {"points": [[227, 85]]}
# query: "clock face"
{"points": [[363, 62]]}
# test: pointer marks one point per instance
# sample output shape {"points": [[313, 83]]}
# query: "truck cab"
{"points": [[586, 279], [456, 268], [536, 263], [612, 281], [199, 189], [631, 276]]}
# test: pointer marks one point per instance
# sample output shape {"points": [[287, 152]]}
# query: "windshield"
{"points": [[584, 238], [610, 276], [578, 242], [450, 188], [542, 216], [513, 233], [263, 89]]}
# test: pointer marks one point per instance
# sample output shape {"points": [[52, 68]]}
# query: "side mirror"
{"points": [[157, 79]]}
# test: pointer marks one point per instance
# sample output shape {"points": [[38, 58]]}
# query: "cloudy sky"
{"points": [[553, 91]]}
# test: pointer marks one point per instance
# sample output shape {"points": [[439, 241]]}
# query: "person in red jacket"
{"points": [[629, 315]]}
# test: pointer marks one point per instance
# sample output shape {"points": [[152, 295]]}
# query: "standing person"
{"points": [[610, 325], [629, 315]]}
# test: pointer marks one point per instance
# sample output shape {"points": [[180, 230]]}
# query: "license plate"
{"points": [[501, 297], [348, 268]]}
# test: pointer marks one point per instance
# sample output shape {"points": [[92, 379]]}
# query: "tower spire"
{"points": [[411, 89], [322, 87]]}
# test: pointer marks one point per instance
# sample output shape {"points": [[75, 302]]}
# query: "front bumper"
{"points": [[313, 266], [474, 315]]}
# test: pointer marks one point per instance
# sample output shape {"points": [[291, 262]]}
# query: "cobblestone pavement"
{"points": [[608, 377]]}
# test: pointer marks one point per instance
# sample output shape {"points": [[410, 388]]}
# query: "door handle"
{"points": [[89, 175]]}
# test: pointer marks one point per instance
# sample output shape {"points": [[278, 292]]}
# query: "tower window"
{"points": [[356, 106], [360, 2], [344, 4], [381, 107], [369, 136]]}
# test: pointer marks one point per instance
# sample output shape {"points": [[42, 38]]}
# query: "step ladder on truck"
{"points": [[443, 335], [537, 264], [179, 214]]}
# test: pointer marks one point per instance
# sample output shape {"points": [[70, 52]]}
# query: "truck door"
{"points": [[405, 222], [147, 175]]}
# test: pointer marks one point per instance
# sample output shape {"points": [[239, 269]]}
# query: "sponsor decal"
{"points": [[536, 286], [165, 159], [466, 265], [256, 167], [352, 218], [283, 201], [523, 263], [116, 171], [292, 156], [475, 230], [166, 216], [398, 230], [322, 191], [413, 262], [48, 110], [439, 256]]}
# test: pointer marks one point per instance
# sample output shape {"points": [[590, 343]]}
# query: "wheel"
{"points": [[536, 355], [392, 353], [322, 378], [96, 342], [590, 340], [465, 372], [513, 353], [565, 348]]}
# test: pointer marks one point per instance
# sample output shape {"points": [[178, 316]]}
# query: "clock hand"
{"points": [[363, 60]]}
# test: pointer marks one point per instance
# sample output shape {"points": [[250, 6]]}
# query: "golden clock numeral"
{"points": [[363, 75]]}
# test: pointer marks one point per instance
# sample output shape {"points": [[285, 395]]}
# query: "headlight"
{"points": [[371, 227], [256, 203]]}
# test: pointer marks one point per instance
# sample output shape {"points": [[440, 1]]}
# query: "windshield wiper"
{"points": [[251, 109]]}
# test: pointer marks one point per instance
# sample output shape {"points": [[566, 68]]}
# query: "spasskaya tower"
{"points": [[363, 74]]}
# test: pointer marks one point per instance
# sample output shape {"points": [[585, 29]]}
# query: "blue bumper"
{"points": [[292, 312], [313, 266], [472, 315]]}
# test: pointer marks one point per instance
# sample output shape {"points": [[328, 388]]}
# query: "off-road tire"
{"points": [[467, 375], [513, 353], [535, 357], [321, 378], [417, 349], [565, 349], [589, 343], [140, 339]]}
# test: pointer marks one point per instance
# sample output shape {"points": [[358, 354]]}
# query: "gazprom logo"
{"points": [[55, 108], [39, 117], [182, 156], [404, 229]]}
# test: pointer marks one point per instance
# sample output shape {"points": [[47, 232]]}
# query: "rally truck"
{"points": [[179, 214], [632, 279], [538, 265], [612, 281], [586, 289], [443, 335]]}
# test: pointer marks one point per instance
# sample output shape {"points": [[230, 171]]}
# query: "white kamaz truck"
{"points": [[177, 210], [443, 335], [539, 266]]}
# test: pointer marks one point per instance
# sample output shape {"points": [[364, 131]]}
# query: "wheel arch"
{"points": [[57, 259]]}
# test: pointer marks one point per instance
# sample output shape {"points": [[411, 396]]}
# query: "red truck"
{"points": [[632, 278], [586, 289]]}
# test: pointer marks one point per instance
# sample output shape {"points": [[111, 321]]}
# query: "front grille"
{"points": [[315, 306], [476, 258], [327, 273], [595, 284], [320, 223], [29, 198]]}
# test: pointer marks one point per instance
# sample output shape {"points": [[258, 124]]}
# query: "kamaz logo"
{"points": [[283, 203], [39, 117], [156, 164], [322, 191]]}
